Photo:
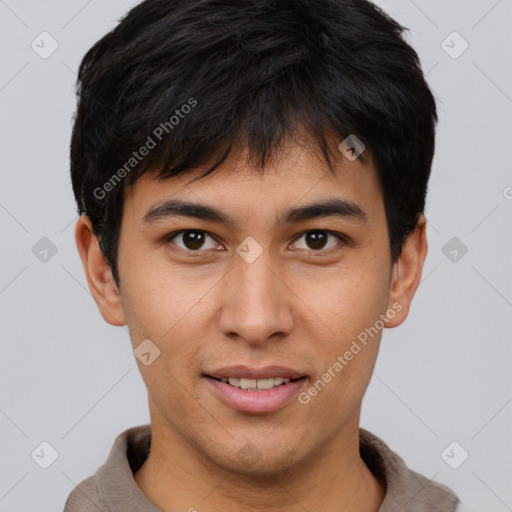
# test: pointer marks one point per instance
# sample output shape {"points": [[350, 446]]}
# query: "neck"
{"points": [[176, 477]]}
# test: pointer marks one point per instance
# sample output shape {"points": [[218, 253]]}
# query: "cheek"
{"points": [[349, 305], [345, 300], [157, 298], [172, 313]]}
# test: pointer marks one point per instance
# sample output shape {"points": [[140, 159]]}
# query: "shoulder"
{"points": [[113, 486], [85, 498], [405, 489]]}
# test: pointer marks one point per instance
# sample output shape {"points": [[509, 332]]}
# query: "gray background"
{"points": [[71, 380]]}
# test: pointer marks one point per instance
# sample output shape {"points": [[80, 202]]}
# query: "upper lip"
{"points": [[265, 372]]}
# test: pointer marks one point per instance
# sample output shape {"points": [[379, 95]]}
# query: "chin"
{"points": [[253, 461]]}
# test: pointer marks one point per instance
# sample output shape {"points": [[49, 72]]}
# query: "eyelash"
{"points": [[340, 236]]}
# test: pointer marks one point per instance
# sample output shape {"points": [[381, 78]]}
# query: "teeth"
{"points": [[265, 383], [256, 384], [247, 383]]}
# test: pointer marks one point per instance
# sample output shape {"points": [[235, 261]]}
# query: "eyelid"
{"points": [[168, 239], [344, 239]]}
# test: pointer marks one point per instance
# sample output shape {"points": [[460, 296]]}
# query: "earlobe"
{"points": [[99, 276], [406, 275]]}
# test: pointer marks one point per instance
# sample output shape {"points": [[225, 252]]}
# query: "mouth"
{"points": [[256, 384], [255, 390]]}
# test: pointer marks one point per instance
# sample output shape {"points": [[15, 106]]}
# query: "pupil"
{"points": [[193, 239], [316, 239]]}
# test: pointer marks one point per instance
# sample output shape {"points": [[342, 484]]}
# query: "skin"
{"points": [[295, 306]]}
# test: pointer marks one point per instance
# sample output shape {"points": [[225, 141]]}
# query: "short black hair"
{"points": [[189, 79]]}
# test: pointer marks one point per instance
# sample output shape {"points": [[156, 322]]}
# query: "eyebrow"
{"points": [[326, 208]]}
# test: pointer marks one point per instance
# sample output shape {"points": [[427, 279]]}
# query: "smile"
{"points": [[257, 396], [255, 384]]}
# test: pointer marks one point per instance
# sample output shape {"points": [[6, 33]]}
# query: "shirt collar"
{"points": [[405, 489]]}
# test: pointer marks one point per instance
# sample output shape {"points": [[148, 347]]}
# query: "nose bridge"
{"points": [[258, 306]]}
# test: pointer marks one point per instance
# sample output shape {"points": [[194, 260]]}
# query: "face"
{"points": [[245, 283]]}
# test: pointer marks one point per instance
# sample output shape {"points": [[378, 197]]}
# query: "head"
{"points": [[225, 119]]}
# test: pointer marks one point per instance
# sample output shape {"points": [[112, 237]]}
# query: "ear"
{"points": [[406, 274], [99, 276]]}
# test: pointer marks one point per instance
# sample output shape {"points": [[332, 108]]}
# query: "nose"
{"points": [[258, 304]]}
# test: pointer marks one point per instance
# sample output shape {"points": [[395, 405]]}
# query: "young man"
{"points": [[251, 177]]}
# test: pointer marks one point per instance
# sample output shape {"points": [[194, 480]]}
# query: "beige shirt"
{"points": [[113, 487]]}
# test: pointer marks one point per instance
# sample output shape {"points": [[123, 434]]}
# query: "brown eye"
{"points": [[316, 240], [193, 240]]}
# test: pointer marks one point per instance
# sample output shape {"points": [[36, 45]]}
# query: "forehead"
{"points": [[297, 175]]}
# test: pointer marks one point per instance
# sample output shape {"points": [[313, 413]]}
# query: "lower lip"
{"points": [[268, 400]]}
